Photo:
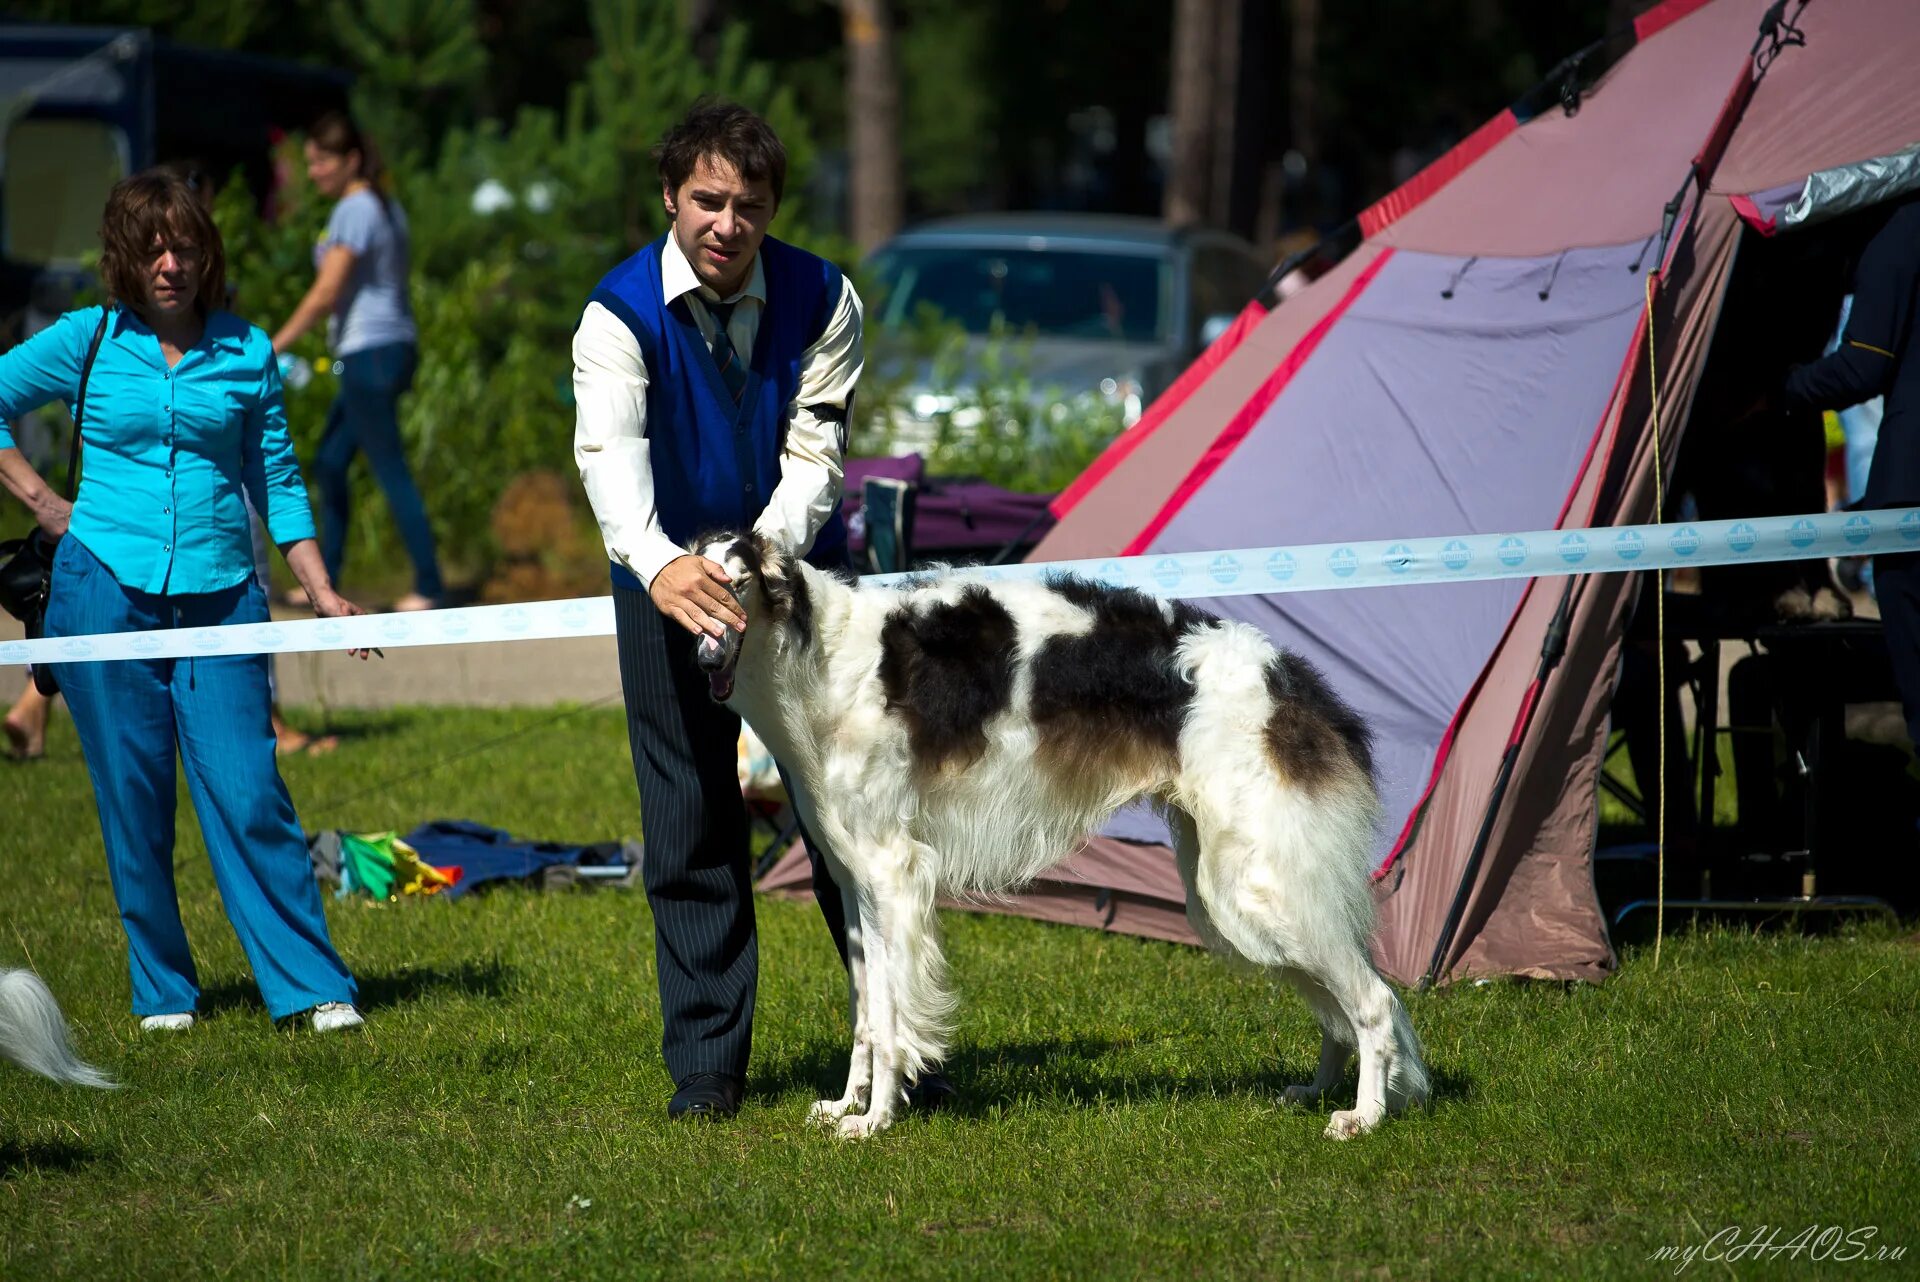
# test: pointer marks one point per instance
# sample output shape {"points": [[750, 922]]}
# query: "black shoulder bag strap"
{"points": [[80, 404]]}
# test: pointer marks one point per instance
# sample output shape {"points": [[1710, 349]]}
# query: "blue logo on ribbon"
{"points": [[1573, 547], [269, 637], [1684, 541], [330, 632], [76, 647], [514, 619], [1910, 526], [573, 615], [452, 624], [1628, 545], [13, 652], [206, 640], [1343, 562], [1512, 551], [395, 629], [145, 643], [1742, 538], [1456, 554], [1858, 530], [1167, 572], [1281, 567], [1113, 574], [1224, 568], [1398, 559], [1802, 533]]}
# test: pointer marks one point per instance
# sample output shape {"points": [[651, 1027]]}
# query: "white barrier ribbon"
{"points": [[1239, 572]]}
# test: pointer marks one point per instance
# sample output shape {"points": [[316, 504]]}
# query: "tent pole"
{"points": [[1552, 647]]}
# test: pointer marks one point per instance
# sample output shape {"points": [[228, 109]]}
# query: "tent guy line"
{"points": [[1187, 575]]}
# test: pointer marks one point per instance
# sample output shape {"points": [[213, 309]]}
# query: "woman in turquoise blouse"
{"points": [[183, 413]]}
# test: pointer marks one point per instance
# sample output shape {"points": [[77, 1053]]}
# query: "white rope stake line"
{"points": [[1237, 572]]}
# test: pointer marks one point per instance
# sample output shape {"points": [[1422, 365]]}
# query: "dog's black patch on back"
{"points": [[946, 669], [1114, 689], [1312, 733]]}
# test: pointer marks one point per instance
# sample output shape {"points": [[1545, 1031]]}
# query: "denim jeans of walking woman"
{"points": [[365, 418]]}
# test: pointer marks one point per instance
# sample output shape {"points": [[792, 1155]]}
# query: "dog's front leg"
{"points": [[879, 915], [860, 1063]]}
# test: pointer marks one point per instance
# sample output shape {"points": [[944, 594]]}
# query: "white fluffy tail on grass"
{"points": [[33, 1032]]}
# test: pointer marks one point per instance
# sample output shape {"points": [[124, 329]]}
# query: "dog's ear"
{"points": [[783, 588]]}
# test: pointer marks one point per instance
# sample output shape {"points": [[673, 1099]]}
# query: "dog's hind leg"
{"points": [[1390, 1067], [860, 1062], [1336, 1039], [1186, 856]]}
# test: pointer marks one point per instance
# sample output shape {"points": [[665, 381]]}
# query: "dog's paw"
{"points": [[825, 1112], [1348, 1123], [862, 1126]]}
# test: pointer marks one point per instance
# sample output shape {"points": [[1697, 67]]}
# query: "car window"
{"points": [[1224, 282], [1055, 292]]}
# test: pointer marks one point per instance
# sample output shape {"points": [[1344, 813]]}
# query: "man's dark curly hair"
{"points": [[726, 131]]}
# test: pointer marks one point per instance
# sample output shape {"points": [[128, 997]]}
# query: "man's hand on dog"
{"points": [[693, 591]]}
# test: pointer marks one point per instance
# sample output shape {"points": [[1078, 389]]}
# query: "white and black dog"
{"points": [[33, 1032], [963, 737]]}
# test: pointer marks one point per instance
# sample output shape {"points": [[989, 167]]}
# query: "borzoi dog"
{"points": [[33, 1032], [959, 737]]}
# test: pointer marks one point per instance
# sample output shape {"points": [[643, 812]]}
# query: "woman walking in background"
{"points": [[180, 410], [360, 286]]}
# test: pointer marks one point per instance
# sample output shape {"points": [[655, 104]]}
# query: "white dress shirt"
{"points": [[610, 425]]}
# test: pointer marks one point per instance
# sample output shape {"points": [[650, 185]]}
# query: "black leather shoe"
{"points": [[931, 1093], [710, 1097]]}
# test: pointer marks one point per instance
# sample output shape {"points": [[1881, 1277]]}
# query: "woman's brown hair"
{"points": [[336, 133], [158, 206]]}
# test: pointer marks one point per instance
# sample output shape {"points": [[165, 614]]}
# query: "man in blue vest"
{"points": [[713, 372]]}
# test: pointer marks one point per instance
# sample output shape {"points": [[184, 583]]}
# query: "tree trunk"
{"points": [[1226, 109], [704, 19], [1190, 103], [875, 192], [1303, 98]]}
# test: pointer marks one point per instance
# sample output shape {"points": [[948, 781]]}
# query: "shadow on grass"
{"points": [[1070, 1071], [488, 977], [19, 1157]]}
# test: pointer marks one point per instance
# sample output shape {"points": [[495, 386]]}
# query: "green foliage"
{"points": [[992, 420]]}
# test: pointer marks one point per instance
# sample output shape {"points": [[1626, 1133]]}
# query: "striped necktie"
{"points": [[733, 371]]}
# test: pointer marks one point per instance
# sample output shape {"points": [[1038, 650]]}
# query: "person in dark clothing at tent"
{"points": [[1879, 355]]}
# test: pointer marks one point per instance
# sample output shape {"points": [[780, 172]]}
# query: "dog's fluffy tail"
{"points": [[33, 1032]]}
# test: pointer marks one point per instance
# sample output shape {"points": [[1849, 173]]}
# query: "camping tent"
{"points": [[1479, 363]]}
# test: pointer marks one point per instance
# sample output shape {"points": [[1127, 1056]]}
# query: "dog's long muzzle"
{"points": [[717, 657]]}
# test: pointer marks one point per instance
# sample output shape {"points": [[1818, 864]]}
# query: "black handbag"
{"points": [[26, 565]]}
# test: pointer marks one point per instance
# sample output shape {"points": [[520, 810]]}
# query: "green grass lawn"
{"points": [[503, 1112]]}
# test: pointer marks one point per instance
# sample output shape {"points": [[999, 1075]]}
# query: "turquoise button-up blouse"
{"points": [[168, 450]]}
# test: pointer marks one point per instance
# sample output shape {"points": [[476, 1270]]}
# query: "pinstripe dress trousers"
{"points": [[696, 866], [131, 715]]}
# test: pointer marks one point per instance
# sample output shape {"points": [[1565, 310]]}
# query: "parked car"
{"points": [[1103, 305]]}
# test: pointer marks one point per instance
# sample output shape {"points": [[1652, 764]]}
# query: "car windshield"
{"points": [[1056, 292]]}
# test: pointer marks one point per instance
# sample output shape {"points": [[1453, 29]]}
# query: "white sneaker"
{"points": [[178, 1023], [333, 1017]]}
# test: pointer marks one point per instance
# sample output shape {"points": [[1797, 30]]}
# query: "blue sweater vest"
{"points": [[714, 463]]}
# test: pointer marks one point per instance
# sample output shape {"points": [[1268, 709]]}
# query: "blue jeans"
{"points": [[365, 417], [131, 715]]}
